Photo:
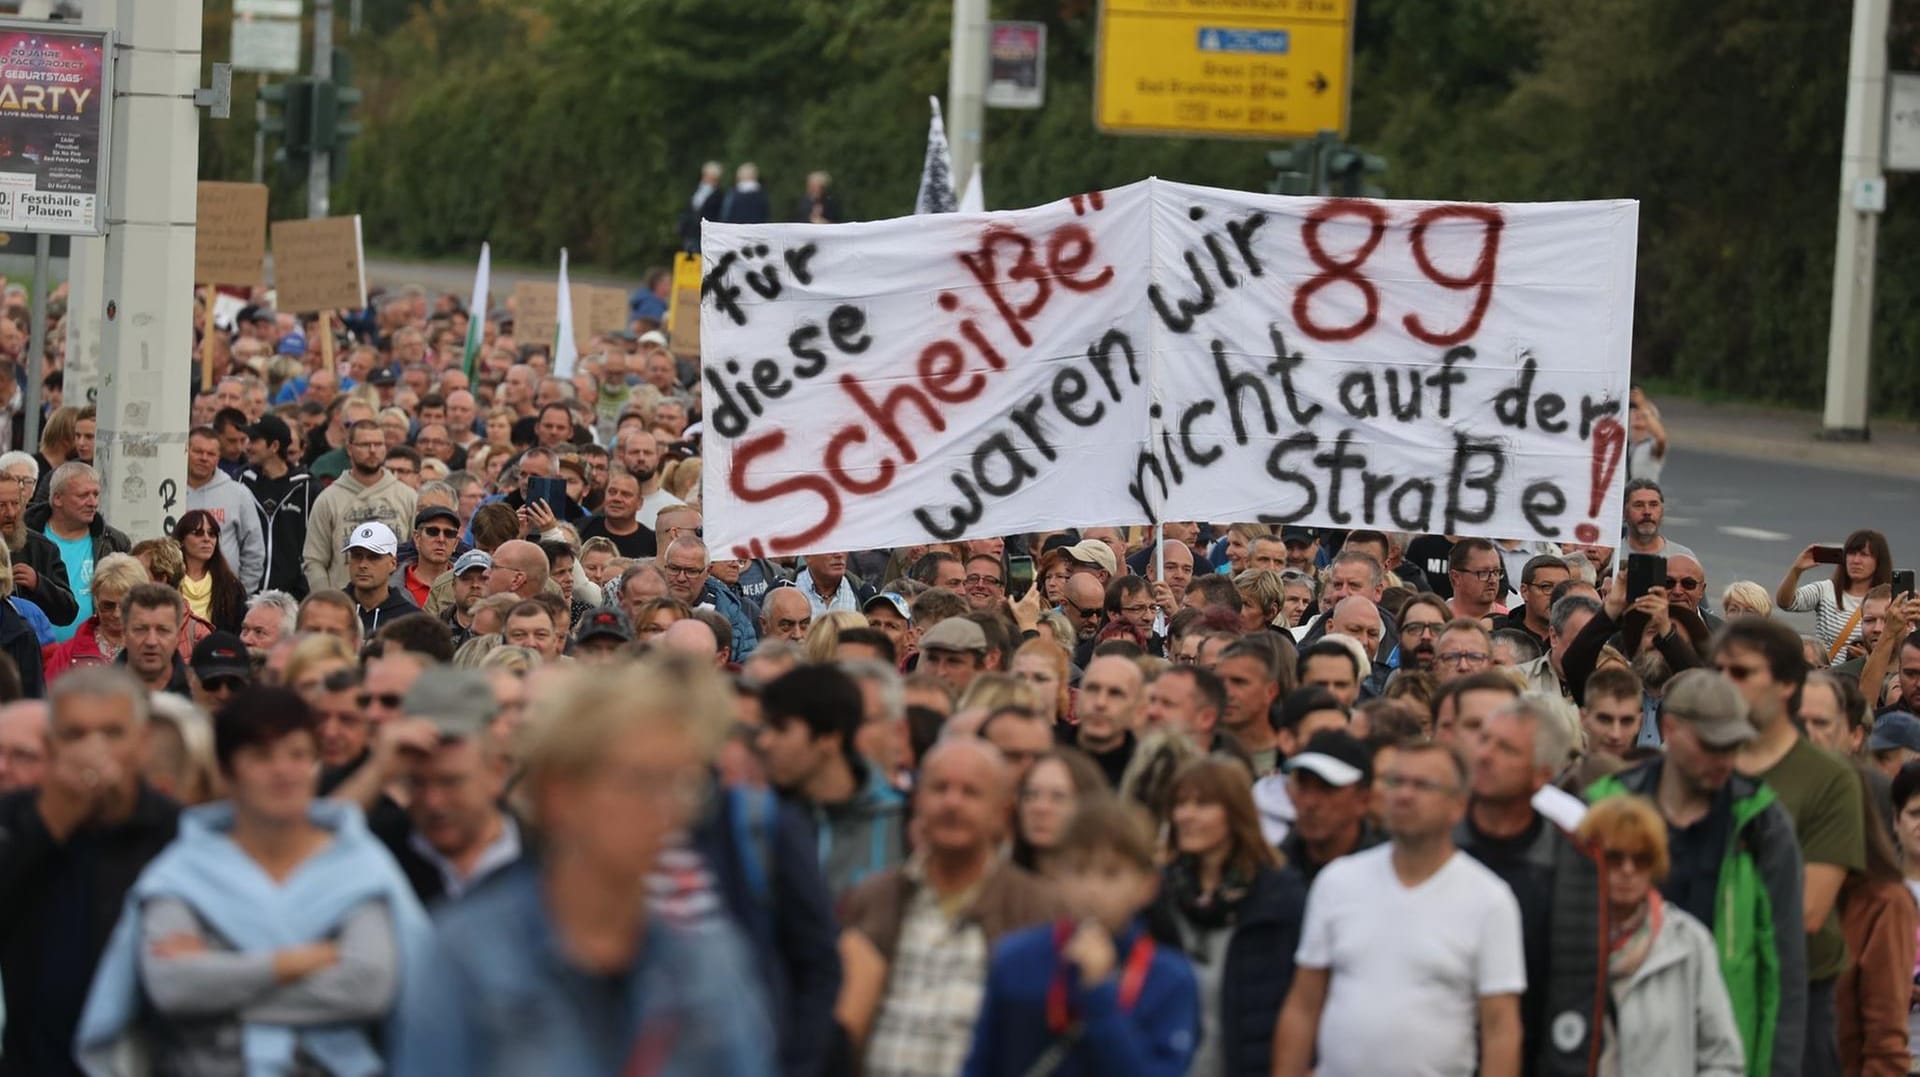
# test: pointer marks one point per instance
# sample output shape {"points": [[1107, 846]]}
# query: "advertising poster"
{"points": [[54, 104], [1017, 74]]}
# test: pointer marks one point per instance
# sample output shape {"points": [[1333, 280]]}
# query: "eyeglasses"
{"points": [[978, 580], [1684, 583], [1419, 785], [1421, 628], [683, 572], [1464, 658], [390, 700], [438, 533], [1642, 860], [1484, 575], [696, 532]]}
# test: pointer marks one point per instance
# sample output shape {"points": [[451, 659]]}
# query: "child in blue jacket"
{"points": [[1091, 995]]}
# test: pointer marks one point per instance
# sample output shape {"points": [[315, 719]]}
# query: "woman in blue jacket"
{"points": [[1226, 903]]}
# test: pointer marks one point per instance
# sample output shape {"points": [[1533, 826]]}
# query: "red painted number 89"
{"points": [[1478, 280]]}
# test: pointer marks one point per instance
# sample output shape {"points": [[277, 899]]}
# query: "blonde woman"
{"points": [[824, 636], [98, 638], [313, 660], [1745, 598]]}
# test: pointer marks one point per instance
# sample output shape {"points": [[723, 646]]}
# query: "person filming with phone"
{"points": [[1862, 563]]}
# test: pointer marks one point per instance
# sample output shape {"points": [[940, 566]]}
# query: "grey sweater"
{"points": [[200, 1000]]}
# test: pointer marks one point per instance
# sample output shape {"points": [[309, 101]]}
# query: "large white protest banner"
{"points": [[1164, 351]]}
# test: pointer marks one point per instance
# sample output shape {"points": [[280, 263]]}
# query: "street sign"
{"points": [[1017, 64], [1903, 122], [272, 9], [268, 45], [1223, 68], [56, 89]]}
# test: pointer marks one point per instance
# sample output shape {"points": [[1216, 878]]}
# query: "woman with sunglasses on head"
{"points": [[1836, 604], [212, 591], [1670, 1011], [1227, 902]]}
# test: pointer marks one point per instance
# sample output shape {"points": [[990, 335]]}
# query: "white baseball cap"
{"points": [[373, 535]]}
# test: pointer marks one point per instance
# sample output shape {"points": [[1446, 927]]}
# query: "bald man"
{"points": [[692, 636], [931, 918], [1111, 692], [786, 614], [1357, 616], [518, 567], [1085, 608]]}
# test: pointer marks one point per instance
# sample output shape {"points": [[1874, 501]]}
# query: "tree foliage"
{"points": [[542, 123]]}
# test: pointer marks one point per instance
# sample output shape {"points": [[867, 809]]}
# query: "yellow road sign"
{"points": [[1223, 68]]}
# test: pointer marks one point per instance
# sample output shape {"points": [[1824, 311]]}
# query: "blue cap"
{"points": [[1895, 729], [293, 344]]}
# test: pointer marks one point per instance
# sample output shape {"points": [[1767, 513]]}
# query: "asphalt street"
{"points": [[1748, 518]]}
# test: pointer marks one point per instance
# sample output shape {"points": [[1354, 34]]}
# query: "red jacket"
{"points": [[82, 650]]}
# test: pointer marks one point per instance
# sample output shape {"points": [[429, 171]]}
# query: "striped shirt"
{"points": [[1829, 615]]}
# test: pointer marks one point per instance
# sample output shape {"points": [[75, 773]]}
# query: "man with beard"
{"points": [[469, 581], [1646, 511], [640, 455], [1422, 620], [39, 573]]}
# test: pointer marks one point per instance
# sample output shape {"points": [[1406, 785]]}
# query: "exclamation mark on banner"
{"points": [[1609, 445]]}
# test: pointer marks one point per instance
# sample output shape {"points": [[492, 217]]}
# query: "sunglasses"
{"points": [[1684, 583], [1641, 860], [224, 684], [390, 700], [439, 533]]}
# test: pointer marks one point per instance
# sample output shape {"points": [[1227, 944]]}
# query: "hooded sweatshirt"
{"points": [[344, 506], [243, 542], [863, 836]]}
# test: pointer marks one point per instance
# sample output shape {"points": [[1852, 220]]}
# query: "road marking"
{"points": [[1680, 521], [1758, 534]]}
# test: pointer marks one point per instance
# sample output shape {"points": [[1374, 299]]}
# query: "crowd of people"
{"points": [[434, 739]]}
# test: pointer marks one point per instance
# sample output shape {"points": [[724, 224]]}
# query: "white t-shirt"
{"points": [[650, 507], [1409, 966]]}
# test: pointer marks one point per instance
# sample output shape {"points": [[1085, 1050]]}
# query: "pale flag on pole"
{"points": [[974, 198], [564, 352], [936, 175], [477, 312]]}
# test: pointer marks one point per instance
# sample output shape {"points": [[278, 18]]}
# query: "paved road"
{"points": [[1749, 518]]}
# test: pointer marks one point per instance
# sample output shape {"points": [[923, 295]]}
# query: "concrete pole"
{"points": [[1850, 330], [86, 272], [320, 167], [260, 128], [966, 89], [147, 372], [33, 398]]}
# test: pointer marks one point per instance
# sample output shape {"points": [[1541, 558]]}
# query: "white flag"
{"points": [[936, 175], [477, 312], [974, 198], [564, 352]]}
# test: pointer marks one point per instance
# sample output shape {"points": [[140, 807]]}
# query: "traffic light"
{"points": [[290, 107], [1348, 172], [332, 124], [1324, 166], [1292, 169]]}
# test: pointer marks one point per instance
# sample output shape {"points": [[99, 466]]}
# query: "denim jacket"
{"points": [[499, 996]]}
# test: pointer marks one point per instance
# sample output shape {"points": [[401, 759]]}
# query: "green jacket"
{"points": [[1757, 925]]}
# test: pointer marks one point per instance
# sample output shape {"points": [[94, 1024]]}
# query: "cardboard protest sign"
{"points": [[230, 238], [536, 312], [318, 265], [605, 310], [1163, 351]]}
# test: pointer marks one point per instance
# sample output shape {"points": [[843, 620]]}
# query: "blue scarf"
{"points": [[226, 889]]}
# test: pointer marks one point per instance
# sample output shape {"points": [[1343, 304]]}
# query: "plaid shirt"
{"points": [[939, 977]]}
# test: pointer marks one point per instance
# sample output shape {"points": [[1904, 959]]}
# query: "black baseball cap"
{"points": [[221, 654], [1297, 536], [270, 429], [436, 512], [607, 623], [384, 375]]}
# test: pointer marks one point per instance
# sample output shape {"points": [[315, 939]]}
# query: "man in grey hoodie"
{"points": [[366, 493], [242, 540]]}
